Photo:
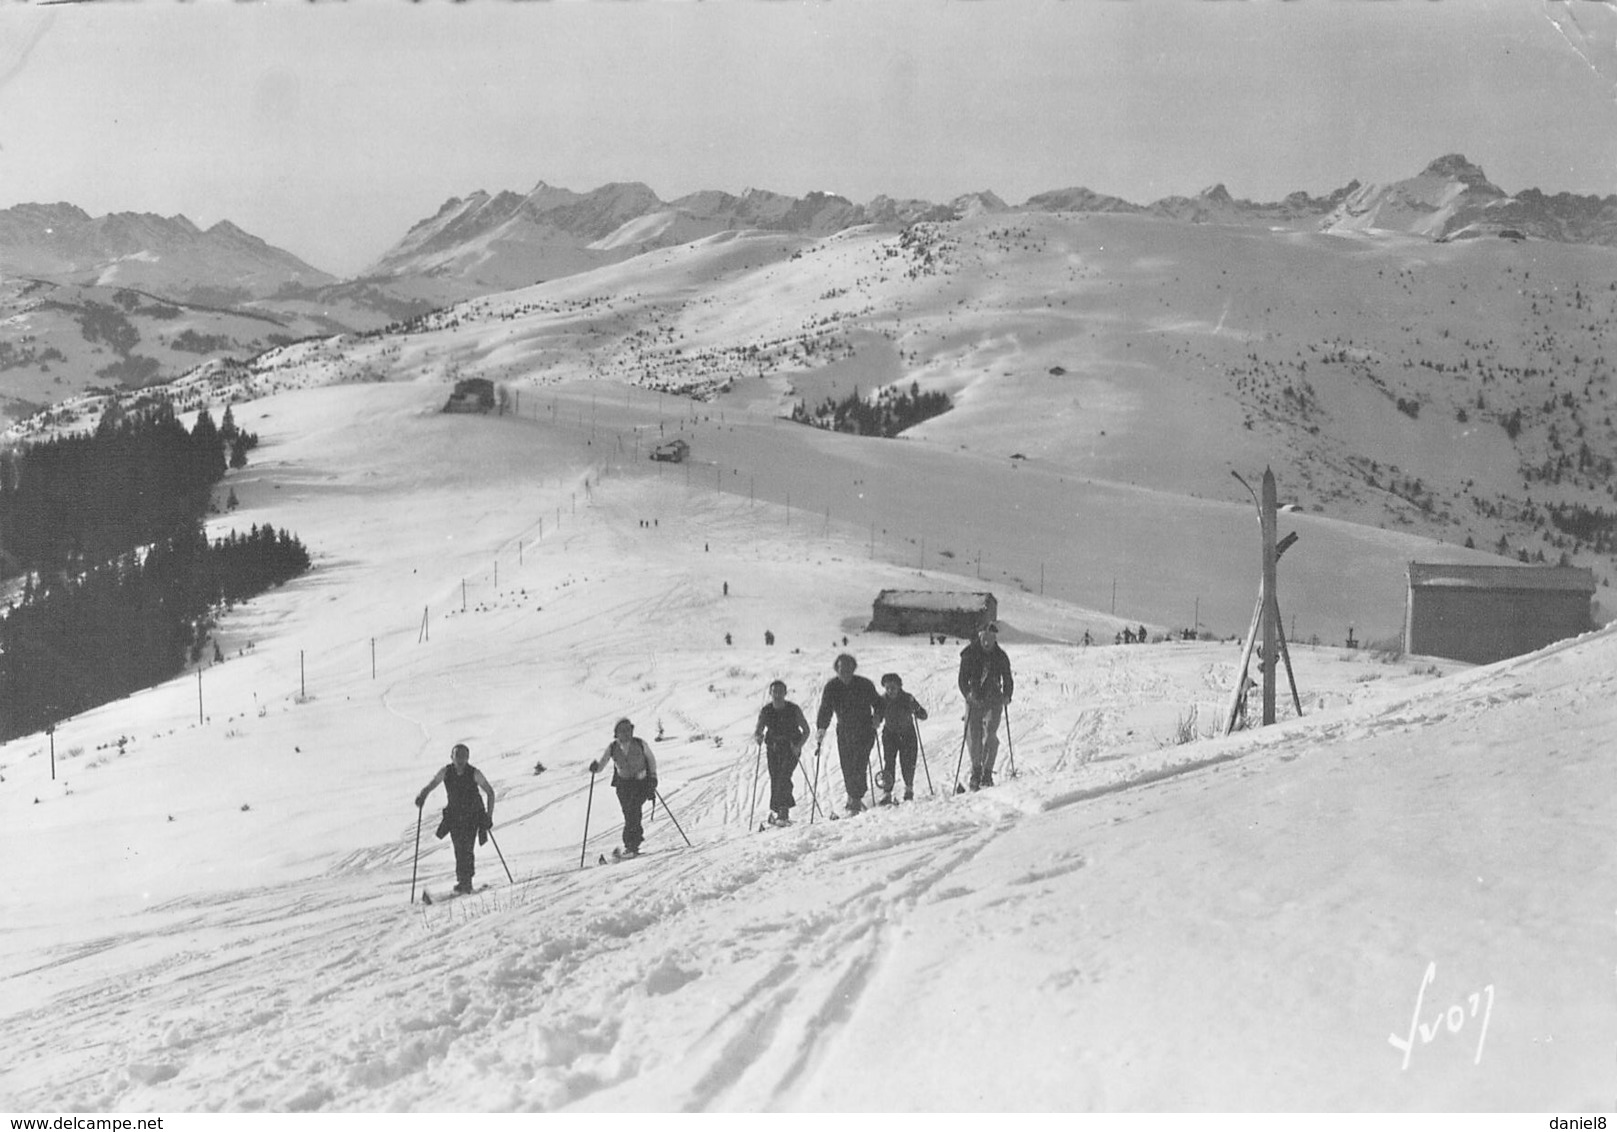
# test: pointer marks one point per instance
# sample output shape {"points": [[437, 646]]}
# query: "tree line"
{"points": [[893, 411], [71, 502], [121, 587]]}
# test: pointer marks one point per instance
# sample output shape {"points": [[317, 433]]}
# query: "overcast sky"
{"points": [[328, 129]]}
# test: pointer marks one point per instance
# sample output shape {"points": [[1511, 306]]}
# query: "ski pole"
{"points": [[672, 818], [588, 803], [870, 769], [966, 727], [752, 811], [497, 852], [813, 792], [1009, 742], [416, 860], [921, 746], [814, 800]]}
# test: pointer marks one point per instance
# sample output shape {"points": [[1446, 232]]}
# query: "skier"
{"points": [[857, 706], [899, 740], [634, 776], [782, 730], [466, 819], [985, 681]]}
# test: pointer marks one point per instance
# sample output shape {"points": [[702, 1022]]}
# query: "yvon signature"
{"points": [[1453, 1020]]}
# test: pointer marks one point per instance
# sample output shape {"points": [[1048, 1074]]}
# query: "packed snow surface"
{"points": [[1402, 899]]}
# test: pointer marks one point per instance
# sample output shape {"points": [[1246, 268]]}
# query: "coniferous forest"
{"points": [[893, 411], [121, 586]]}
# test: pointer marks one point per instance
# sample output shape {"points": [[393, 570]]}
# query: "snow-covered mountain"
{"points": [[1453, 199], [510, 240], [168, 256]]}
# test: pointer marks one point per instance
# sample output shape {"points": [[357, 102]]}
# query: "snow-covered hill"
{"points": [[1398, 901], [1403, 391]]}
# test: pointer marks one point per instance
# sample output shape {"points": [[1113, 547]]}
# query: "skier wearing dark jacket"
{"points": [[857, 706], [466, 819], [985, 681], [899, 739], [634, 776], [782, 730]]}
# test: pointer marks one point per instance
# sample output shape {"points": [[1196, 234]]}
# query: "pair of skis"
{"points": [[453, 894]]}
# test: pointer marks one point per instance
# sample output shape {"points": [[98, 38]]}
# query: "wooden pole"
{"points": [[303, 687], [51, 731], [1271, 649], [199, 697], [1285, 655]]}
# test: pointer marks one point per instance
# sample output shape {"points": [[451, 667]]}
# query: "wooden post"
{"points": [[51, 731], [303, 687], [1271, 649], [199, 697]]}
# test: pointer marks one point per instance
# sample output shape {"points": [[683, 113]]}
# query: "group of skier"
{"points": [[861, 712]]}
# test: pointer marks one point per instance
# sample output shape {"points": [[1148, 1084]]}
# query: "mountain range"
{"points": [[66, 271], [1396, 367], [483, 243]]}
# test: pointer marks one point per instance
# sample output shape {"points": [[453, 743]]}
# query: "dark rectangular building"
{"points": [[1481, 614], [933, 611]]}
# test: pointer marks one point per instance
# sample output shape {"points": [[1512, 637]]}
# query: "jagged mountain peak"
{"points": [[978, 204], [1454, 167]]}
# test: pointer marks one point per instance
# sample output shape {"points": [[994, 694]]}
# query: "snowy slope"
{"points": [[215, 914]]}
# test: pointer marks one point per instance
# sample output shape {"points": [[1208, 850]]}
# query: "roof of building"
{"points": [[934, 599], [1447, 575]]}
